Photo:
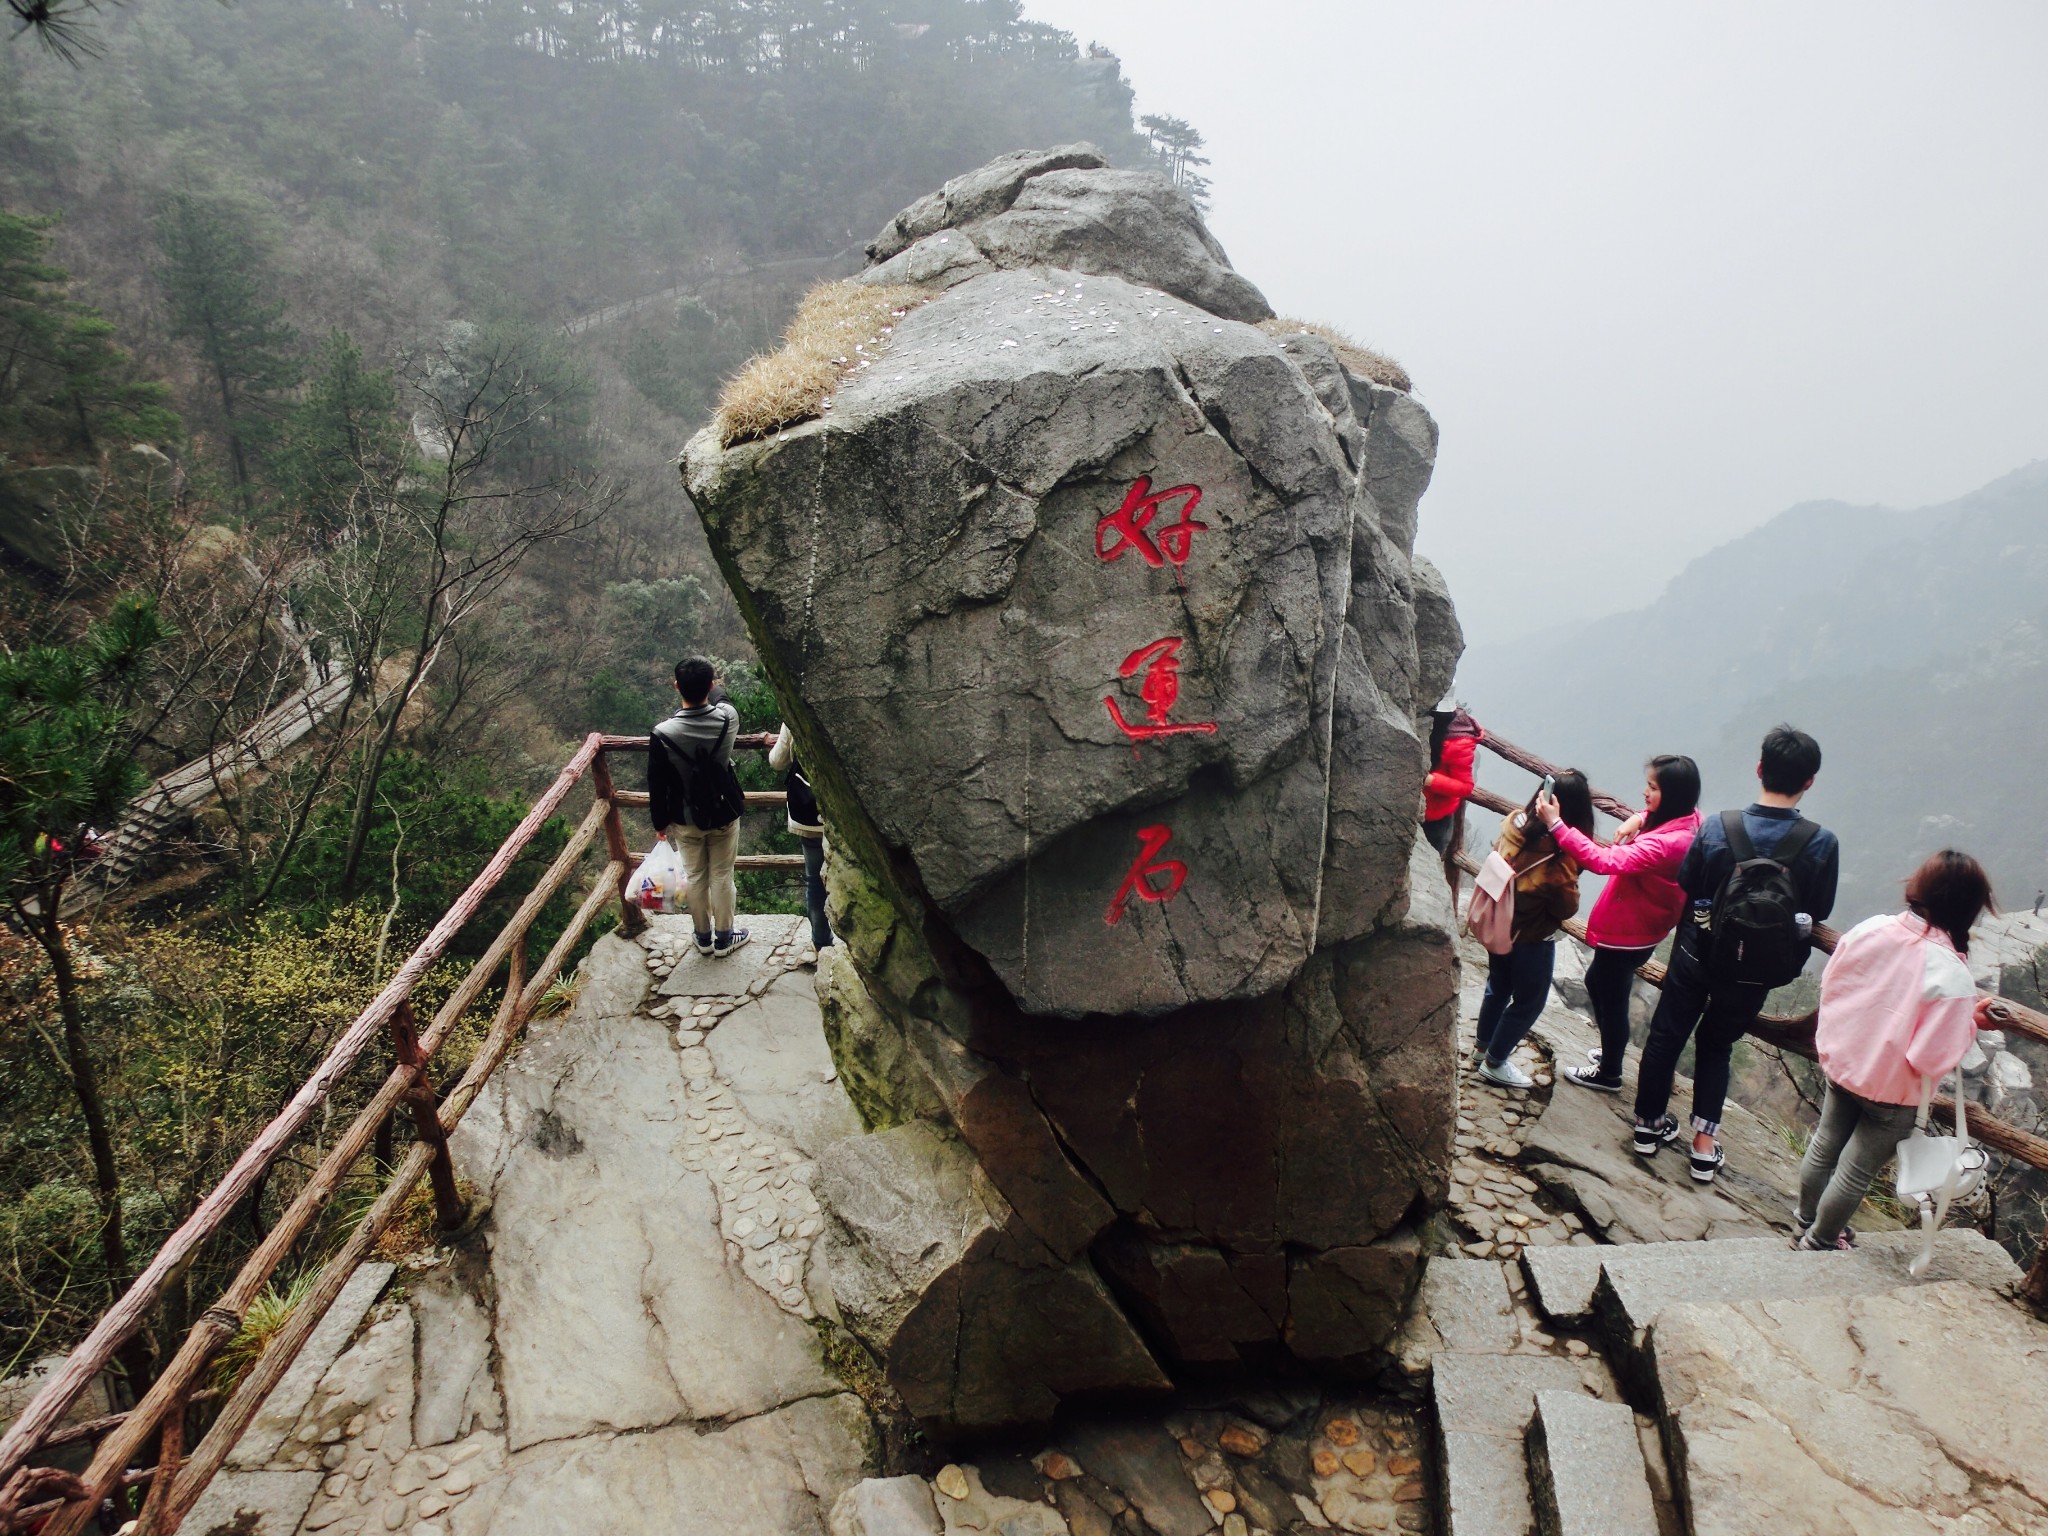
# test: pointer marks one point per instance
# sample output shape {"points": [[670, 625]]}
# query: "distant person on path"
{"points": [[695, 801], [1897, 1004], [1454, 738], [1756, 881], [807, 826], [1546, 893], [1642, 902]]}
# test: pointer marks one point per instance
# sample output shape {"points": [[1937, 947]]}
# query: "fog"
{"points": [[1659, 271]]}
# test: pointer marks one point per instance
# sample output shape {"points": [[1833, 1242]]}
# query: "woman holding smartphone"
{"points": [[1546, 893], [1641, 905]]}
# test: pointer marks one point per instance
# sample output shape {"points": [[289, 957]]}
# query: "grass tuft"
{"points": [[837, 327], [1359, 359], [265, 1320]]}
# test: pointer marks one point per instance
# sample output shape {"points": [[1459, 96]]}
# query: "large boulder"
{"points": [[1093, 607]]}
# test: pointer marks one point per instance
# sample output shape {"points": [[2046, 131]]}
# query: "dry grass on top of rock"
{"points": [[1361, 360], [837, 328]]}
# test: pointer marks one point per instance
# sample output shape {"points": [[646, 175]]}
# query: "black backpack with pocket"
{"points": [[1754, 934], [711, 790], [803, 800]]}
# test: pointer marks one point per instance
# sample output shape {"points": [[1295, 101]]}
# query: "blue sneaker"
{"points": [[727, 942], [704, 944]]}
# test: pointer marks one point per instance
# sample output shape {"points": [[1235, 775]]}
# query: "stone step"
{"points": [[1636, 1285], [1586, 1473], [1483, 1407], [1563, 1281]]}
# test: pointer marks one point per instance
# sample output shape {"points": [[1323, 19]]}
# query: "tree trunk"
{"points": [[135, 1355], [366, 794]]}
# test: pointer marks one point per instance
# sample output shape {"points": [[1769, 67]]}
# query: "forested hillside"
{"points": [[347, 351], [1914, 645]]}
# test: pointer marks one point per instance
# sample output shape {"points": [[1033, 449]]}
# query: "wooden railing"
{"points": [[30, 1493], [1796, 1033]]}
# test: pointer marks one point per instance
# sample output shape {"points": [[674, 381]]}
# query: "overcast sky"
{"points": [[1660, 270]]}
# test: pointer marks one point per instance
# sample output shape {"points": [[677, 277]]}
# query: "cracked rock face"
{"points": [[1094, 609]]}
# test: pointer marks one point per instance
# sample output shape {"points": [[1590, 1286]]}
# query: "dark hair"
{"points": [[1439, 733], [1788, 761], [1950, 891], [1678, 788], [693, 679], [1574, 800]]}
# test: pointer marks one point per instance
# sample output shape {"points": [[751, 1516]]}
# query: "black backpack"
{"points": [[711, 790], [803, 800], [1755, 933]]}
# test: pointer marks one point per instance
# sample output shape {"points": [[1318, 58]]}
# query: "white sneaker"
{"points": [[1506, 1075]]}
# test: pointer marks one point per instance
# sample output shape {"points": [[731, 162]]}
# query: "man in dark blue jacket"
{"points": [[1694, 999]]}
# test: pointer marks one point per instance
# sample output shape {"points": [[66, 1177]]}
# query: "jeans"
{"points": [[707, 865], [1517, 986], [1721, 1011], [1438, 832], [814, 890], [1608, 982], [1852, 1143]]}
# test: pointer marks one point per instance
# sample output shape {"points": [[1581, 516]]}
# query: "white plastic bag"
{"points": [[658, 882]]}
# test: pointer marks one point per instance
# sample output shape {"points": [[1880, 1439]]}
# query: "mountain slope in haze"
{"points": [[1914, 645]]}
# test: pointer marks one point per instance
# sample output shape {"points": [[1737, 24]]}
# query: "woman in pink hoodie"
{"points": [[1897, 1004], [1640, 906]]}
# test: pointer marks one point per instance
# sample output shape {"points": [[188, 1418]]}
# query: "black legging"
{"points": [[1608, 983]]}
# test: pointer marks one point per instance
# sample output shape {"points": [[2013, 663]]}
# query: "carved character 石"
{"points": [[1145, 875], [1160, 691]]}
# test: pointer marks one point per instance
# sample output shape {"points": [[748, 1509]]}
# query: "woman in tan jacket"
{"points": [[1546, 893]]}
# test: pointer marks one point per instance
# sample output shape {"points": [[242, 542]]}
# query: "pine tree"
{"points": [[66, 765], [63, 382], [346, 431], [213, 272], [1176, 141]]}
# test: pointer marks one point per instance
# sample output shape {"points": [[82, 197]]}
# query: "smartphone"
{"points": [[1549, 783]]}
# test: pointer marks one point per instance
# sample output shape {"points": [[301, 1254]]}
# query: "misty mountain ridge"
{"points": [[1913, 644]]}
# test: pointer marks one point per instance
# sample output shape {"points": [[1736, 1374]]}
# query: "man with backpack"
{"points": [[1756, 881], [695, 800]]}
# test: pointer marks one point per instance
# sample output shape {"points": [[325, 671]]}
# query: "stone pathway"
{"points": [[635, 1336]]}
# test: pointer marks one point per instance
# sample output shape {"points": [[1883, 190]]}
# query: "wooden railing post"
{"points": [[170, 1454], [426, 1117], [631, 919]]}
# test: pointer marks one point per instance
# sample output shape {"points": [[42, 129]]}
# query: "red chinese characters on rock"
{"points": [[1134, 527], [1160, 691], [1151, 878], [1129, 527]]}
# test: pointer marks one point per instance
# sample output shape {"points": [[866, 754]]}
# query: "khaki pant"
{"points": [[707, 865]]}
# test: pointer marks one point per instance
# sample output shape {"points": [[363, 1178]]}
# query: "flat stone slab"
{"points": [[1140, 1459], [1562, 1280], [1580, 1152], [280, 1412], [1635, 1286], [1496, 1394], [773, 1052], [1468, 1303], [240, 1502], [698, 975], [1896, 1414], [885, 1506], [1485, 1485], [1586, 1469]]}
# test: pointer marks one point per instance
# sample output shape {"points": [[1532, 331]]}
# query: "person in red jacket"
{"points": [[1454, 738]]}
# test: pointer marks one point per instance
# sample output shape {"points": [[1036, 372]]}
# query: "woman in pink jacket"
{"points": [[1640, 906], [1897, 1004]]}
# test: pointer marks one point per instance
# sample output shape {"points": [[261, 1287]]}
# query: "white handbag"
{"points": [[1936, 1170]]}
